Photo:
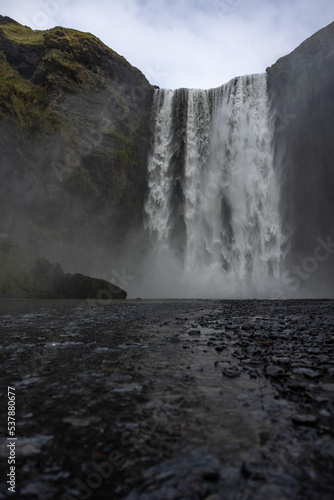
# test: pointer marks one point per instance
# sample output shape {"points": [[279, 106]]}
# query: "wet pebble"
{"points": [[327, 387], [304, 419], [308, 372], [274, 371], [173, 340], [194, 331], [81, 422], [231, 327], [231, 372]]}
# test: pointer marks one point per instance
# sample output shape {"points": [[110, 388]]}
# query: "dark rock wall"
{"points": [[301, 87]]}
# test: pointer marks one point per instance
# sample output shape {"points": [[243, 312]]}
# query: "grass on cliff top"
{"points": [[26, 36], [22, 34]]}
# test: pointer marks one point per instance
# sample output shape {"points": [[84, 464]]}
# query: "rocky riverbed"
{"points": [[169, 400]]}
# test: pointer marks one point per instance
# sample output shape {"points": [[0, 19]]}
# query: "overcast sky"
{"points": [[185, 43]]}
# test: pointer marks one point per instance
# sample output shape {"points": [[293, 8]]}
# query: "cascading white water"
{"points": [[212, 207]]}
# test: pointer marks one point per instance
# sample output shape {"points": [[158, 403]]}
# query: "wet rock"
{"points": [[78, 286], [274, 371], [26, 447], [222, 364], [280, 359], [231, 372], [253, 470], [327, 387], [81, 422], [247, 327], [305, 419], [232, 327], [194, 331], [36, 488], [208, 473], [308, 372], [325, 413]]}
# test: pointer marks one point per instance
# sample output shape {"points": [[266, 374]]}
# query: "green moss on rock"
{"points": [[74, 137]]}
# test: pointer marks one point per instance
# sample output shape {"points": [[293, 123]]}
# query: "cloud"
{"points": [[193, 43]]}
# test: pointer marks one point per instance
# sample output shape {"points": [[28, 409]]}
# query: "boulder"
{"points": [[78, 286], [26, 275]]}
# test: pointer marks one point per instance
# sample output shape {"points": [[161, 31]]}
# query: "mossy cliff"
{"points": [[74, 138], [301, 88]]}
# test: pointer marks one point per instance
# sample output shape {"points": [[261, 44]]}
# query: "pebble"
{"points": [[194, 332], [274, 370], [211, 474], [308, 372], [325, 413], [81, 422], [327, 387], [253, 470], [279, 359], [222, 364], [232, 327], [231, 372], [303, 419]]}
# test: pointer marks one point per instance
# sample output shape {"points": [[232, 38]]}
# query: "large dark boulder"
{"points": [[26, 275], [78, 286]]}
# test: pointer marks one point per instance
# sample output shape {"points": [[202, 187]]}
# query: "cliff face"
{"points": [[301, 87], [74, 137]]}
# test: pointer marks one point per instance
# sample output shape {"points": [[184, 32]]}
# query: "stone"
{"points": [[280, 359], [27, 275], [274, 371], [304, 419], [78, 286], [231, 372], [173, 340], [308, 372], [194, 331], [327, 387]]}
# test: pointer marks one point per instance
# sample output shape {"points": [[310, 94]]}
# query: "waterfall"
{"points": [[212, 210]]}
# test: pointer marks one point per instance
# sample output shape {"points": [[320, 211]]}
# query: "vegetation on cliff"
{"points": [[74, 137]]}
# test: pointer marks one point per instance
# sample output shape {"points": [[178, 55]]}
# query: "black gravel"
{"points": [[169, 400]]}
